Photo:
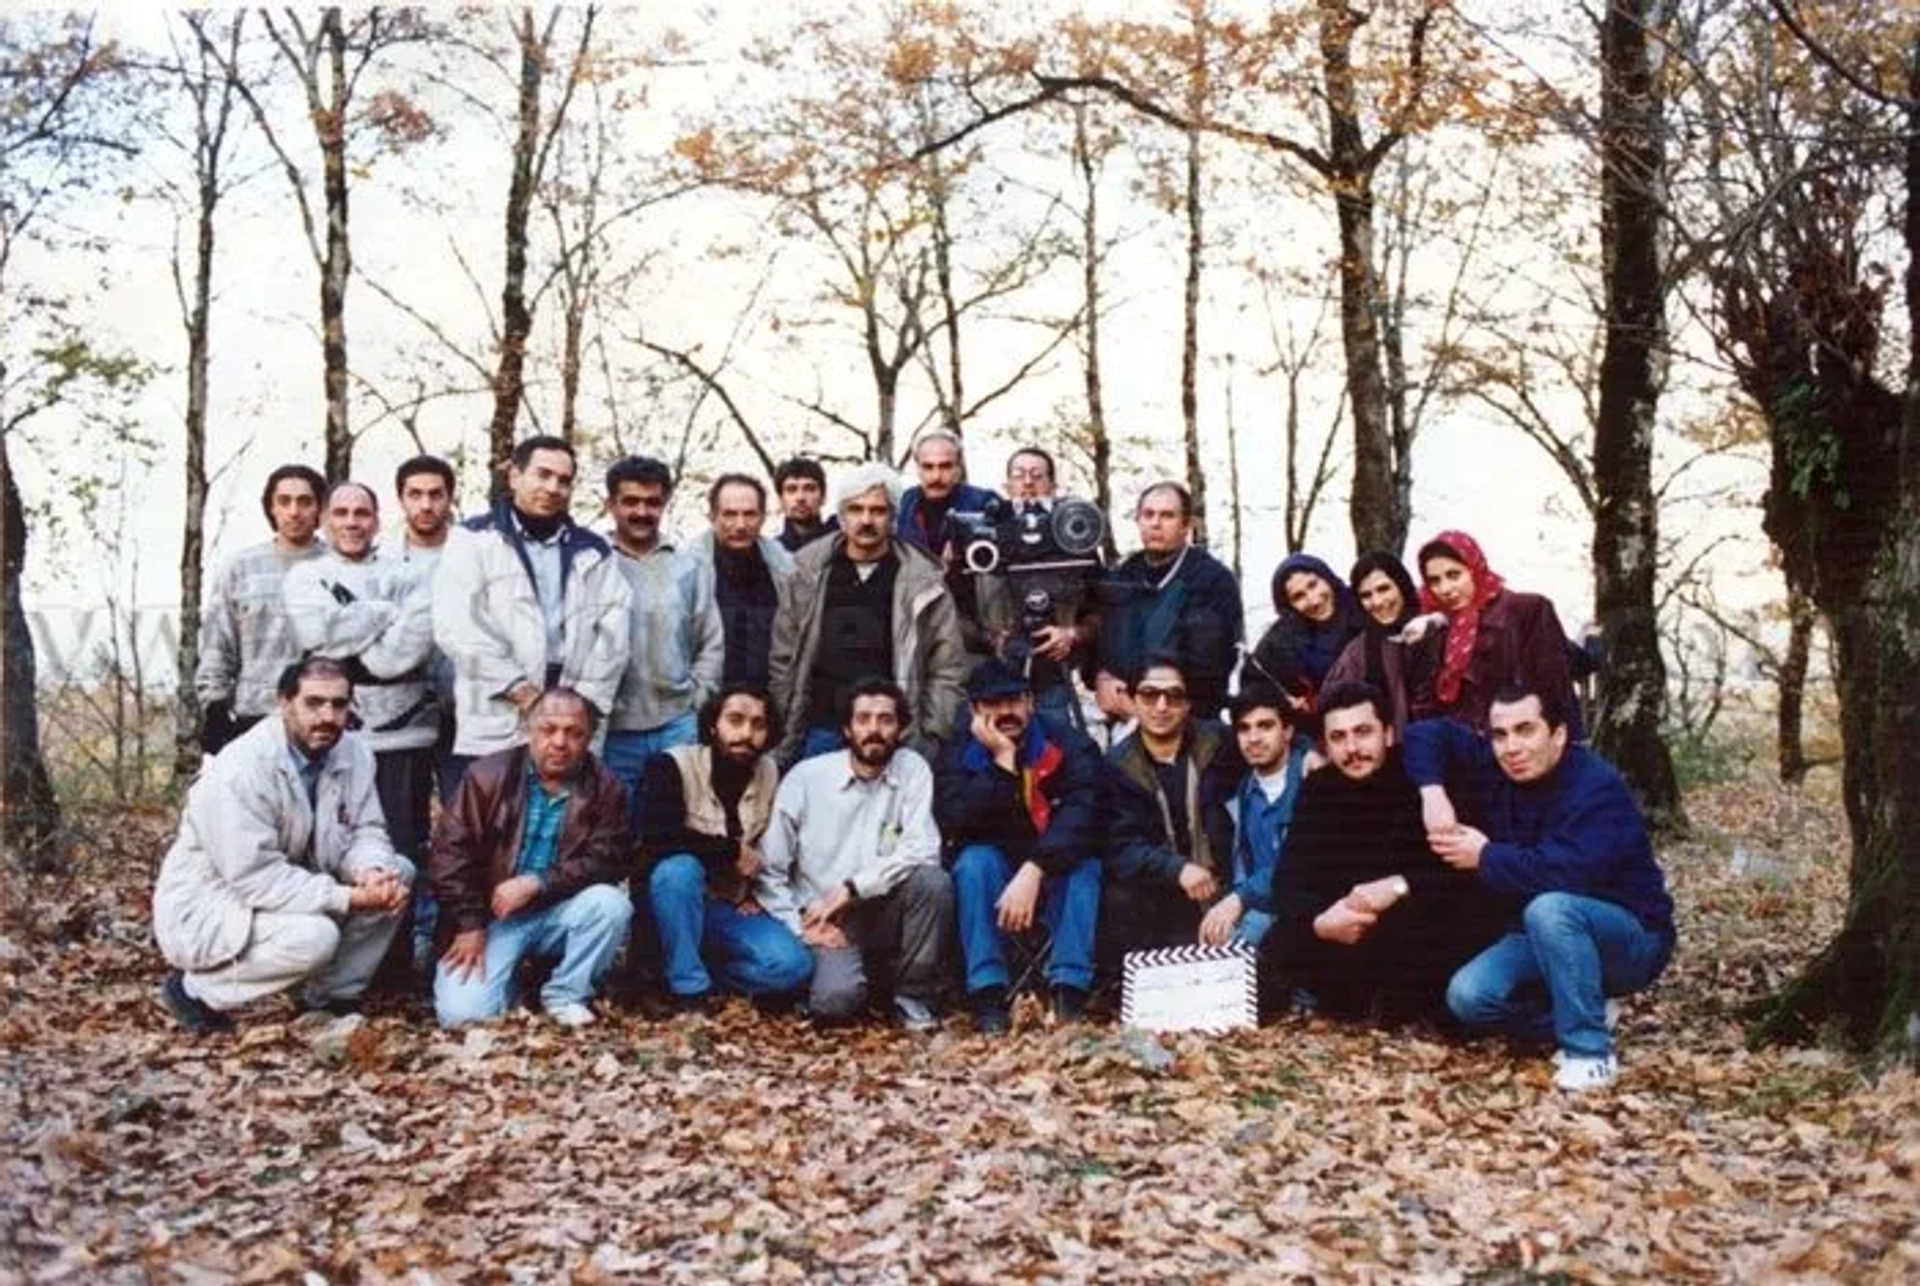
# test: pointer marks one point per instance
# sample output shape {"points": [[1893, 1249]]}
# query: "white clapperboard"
{"points": [[1191, 989]]}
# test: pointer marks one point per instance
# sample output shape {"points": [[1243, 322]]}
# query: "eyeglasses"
{"points": [[1160, 696], [1037, 473]]}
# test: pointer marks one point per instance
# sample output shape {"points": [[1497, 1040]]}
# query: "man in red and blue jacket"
{"points": [[1019, 803]]}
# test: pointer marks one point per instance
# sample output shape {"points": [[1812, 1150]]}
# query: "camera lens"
{"points": [[1077, 527]]}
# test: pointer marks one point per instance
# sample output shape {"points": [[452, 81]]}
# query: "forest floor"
{"points": [[749, 1147]]}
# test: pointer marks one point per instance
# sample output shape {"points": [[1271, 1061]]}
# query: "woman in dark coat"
{"points": [[1494, 635], [1378, 655], [1317, 616]]}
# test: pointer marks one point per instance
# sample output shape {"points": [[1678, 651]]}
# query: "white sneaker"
{"points": [[1612, 1014], [1579, 1073], [571, 1014]]}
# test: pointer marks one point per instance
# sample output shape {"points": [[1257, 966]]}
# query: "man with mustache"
{"points": [[1366, 920], [1020, 800], [851, 863], [1554, 827], [1170, 835], [742, 571], [532, 858], [863, 603], [675, 643], [703, 815], [245, 640], [282, 875], [800, 485]]}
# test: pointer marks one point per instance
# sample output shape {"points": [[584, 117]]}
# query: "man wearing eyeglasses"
{"points": [[1170, 837]]}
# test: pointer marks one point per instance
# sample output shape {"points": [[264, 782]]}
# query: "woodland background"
{"points": [[1625, 289]]}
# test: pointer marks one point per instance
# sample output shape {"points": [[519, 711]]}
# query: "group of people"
{"points": [[839, 768]]}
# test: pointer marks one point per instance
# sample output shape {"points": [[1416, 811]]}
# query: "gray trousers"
{"points": [[912, 926]]}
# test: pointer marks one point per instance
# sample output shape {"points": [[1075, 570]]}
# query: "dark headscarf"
{"points": [[1296, 653], [1376, 633]]}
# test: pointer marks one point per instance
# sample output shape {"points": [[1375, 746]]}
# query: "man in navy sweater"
{"points": [[1555, 826]]}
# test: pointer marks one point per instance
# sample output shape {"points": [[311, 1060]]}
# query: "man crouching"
{"points": [[531, 860], [282, 875]]}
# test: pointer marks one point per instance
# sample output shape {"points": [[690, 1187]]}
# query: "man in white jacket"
{"points": [[282, 875], [524, 600], [851, 863], [370, 610]]}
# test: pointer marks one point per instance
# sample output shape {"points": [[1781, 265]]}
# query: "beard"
{"points": [[873, 752]]}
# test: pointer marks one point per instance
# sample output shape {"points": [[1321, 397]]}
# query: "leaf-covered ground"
{"points": [[748, 1147]]}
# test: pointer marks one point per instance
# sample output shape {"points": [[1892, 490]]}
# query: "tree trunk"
{"points": [[1631, 708], [1792, 685], [331, 131], [1197, 94], [29, 810], [186, 739], [1099, 445], [1378, 521], [516, 319]]}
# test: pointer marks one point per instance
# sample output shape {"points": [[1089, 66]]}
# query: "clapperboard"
{"points": [[1191, 989]]}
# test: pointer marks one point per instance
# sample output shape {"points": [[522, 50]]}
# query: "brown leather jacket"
{"points": [[478, 838]]}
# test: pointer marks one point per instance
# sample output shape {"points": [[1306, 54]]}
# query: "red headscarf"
{"points": [[1463, 627]]}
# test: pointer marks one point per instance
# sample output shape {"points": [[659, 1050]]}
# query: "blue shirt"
{"points": [[540, 839], [1260, 830], [308, 769]]}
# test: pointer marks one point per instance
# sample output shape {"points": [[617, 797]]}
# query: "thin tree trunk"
{"points": [[1099, 444], [517, 321], [955, 402], [1792, 686], [331, 131], [186, 759], [1378, 522], [1197, 94], [1631, 708], [29, 809]]}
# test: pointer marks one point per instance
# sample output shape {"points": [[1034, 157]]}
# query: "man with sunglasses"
{"points": [[1170, 835]]}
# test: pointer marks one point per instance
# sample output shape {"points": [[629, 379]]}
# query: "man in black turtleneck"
{"points": [[744, 570], [703, 811], [800, 485]]}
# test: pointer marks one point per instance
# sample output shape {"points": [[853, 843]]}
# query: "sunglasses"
{"points": [[1160, 696]]}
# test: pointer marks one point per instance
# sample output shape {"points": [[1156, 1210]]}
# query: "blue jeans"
{"points": [[1069, 904], [1253, 928], [820, 740], [1552, 979], [627, 753], [583, 931], [755, 955]]}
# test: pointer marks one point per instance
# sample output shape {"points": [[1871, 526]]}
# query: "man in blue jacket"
{"points": [[1262, 810], [1555, 826], [923, 520], [1019, 802]]}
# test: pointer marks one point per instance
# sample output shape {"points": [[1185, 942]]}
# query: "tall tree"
{"points": [[196, 74], [327, 59], [57, 134], [1630, 715]]}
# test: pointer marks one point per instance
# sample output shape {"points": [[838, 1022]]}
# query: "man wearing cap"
{"points": [[864, 604], [1020, 804]]}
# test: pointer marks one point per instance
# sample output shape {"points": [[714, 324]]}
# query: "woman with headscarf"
{"points": [[1494, 635], [1400, 670], [1317, 615]]}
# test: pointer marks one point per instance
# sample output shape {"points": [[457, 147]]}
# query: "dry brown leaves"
{"points": [[748, 1147]]}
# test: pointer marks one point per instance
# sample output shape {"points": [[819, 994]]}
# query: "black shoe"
{"points": [[1069, 1004], [699, 1005], [991, 1017], [193, 1016]]}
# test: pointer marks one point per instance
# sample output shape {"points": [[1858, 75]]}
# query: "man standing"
{"points": [[675, 641], [425, 488], [1556, 828], [1170, 837], [245, 641], [1368, 922], [1171, 597], [531, 860], [943, 490], [1021, 801], [704, 812], [863, 604], [372, 613], [742, 572], [525, 599], [852, 863], [1052, 650], [1262, 810], [801, 485], [282, 875]]}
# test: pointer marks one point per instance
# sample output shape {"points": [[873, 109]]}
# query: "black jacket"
{"points": [[977, 802], [1140, 846]]}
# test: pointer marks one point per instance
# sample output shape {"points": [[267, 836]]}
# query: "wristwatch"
{"points": [[1400, 886]]}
